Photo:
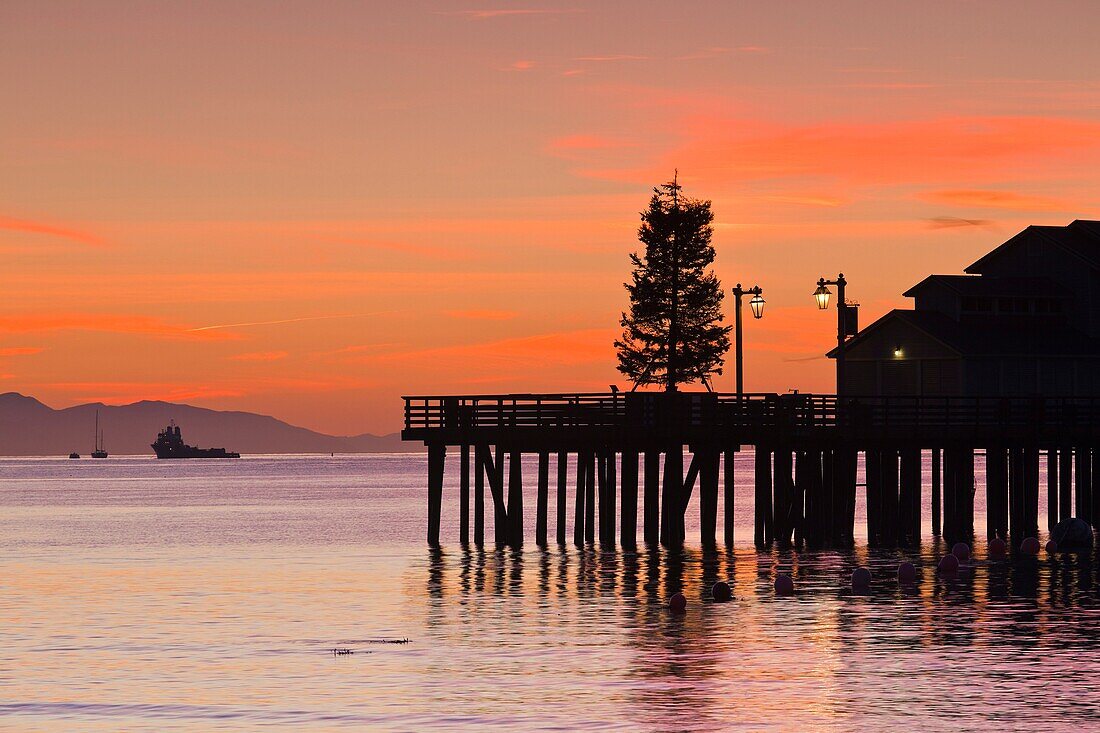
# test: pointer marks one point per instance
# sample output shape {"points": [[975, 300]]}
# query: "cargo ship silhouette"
{"points": [[170, 444]]}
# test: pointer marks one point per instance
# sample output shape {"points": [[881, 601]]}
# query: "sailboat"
{"points": [[99, 452]]}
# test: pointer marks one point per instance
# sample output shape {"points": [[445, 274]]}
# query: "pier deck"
{"points": [[809, 449]]}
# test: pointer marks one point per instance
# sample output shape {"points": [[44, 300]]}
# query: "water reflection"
{"points": [[858, 658]]}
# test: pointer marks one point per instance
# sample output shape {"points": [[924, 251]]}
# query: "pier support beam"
{"points": [[563, 476], [480, 459], [816, 506], [845, 462], [437, 455], [515, 499], [1031, 488], [541, 510], [996, 493], [672, 502], [1083, 471], [578, 499], [495, 475], [606, 475], [890, 507], [590, 498], [909, 503], [762, 509], [783, 483], [708, 496]]}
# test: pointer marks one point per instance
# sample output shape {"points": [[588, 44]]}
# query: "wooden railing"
{"points": [[761, 410]]}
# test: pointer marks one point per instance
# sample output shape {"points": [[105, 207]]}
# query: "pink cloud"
{"points": [[719, 150], [35, 227], [990, 199]]}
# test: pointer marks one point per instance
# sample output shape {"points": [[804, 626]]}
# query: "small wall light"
{"points": [[898, 353]]}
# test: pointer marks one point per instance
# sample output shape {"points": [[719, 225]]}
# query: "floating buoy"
{"points": [[949, 564], [1030, 546], [1052, 546], [907, 573], [678, 603], [721, 591], [784, 586], [861, 578], [998, 548], [961, 550]]}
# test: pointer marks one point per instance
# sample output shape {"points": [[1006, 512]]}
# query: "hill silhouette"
{"points": [[30, 428]]}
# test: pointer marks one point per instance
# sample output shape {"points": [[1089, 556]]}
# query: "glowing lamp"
{"points": [[898, 353], [822, 295], [757, 305]]}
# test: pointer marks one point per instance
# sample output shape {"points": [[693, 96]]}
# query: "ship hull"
{"points": [[174, 452]]}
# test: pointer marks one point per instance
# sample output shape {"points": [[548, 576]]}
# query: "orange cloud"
{"points": [[725, 150], [482, 315], [126, 392], [102, 322], [35, 227], [563, 348], [522, 65], [971, 198], [261, 356], [20, 350]]}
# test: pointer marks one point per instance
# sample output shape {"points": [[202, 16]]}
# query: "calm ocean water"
{"points": [[146, 595]]}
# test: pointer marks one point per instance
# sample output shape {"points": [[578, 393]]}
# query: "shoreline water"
{"points": [[210, 599]]}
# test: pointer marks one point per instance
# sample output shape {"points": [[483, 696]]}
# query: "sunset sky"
{"points": [[307, 209]]}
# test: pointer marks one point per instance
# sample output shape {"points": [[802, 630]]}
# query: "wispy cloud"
{"points": [[992, 199], [20, 351], [489, 13], [261, 356], [522, 65], [101, 322], [954, 222], [922, 151], [610, 58], [285, 320], [482, 315], [37, 227]]}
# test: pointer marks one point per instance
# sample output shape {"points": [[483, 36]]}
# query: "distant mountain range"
{"points": [[30, 428]]}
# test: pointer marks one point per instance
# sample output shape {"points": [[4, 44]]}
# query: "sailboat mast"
{"points": [[97, 430]]}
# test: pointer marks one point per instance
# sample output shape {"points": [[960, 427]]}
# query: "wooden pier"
{"points": [[807, 464]]}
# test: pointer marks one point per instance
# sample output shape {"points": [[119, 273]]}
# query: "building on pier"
{"points": [[1023, 321]]}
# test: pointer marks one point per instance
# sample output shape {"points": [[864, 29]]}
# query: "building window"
{"points": [[972, 304]]}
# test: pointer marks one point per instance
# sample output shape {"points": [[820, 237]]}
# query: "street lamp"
{"points": [[757, 306], [821, 295], [756, 303]]}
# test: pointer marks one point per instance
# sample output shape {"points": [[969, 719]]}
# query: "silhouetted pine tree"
{"points": [[673, 333]]}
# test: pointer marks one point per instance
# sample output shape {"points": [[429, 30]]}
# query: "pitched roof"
{"points": [[1080, 238], [994, 287], [991, 338]]}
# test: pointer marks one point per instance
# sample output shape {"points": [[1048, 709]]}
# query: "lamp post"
{"points": [[756, 304], [822, 296]]}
